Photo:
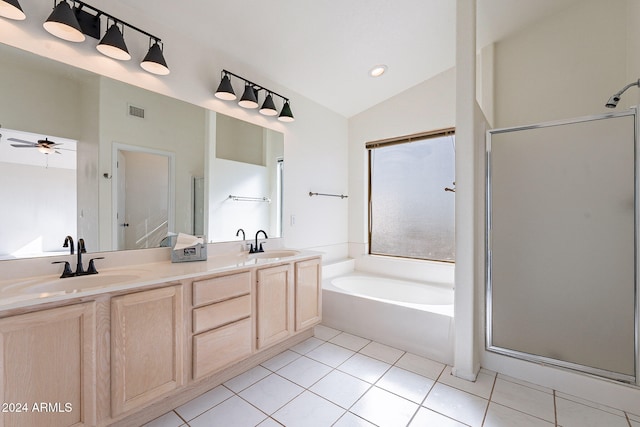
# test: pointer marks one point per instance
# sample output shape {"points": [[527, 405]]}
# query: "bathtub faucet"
{"points": [[257, 248]]}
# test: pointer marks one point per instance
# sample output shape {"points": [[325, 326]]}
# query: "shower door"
{"points": [[561, 244]]}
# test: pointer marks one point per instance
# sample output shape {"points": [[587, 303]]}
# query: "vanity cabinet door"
{"points": [[308, 293], [147, 347], [274, 296], [49, 367]]}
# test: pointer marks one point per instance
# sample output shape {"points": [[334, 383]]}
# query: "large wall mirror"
{"points": [[129, 167]]}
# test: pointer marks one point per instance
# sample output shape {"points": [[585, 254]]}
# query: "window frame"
{"points": [[372, 145]]}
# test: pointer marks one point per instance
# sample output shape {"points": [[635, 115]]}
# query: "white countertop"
{"points": [[30, 291]]}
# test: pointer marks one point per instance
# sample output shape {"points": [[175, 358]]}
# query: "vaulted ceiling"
{"points": [[325, 49]]}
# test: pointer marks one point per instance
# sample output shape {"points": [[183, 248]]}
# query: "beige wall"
{"points": [[169, 125], [239, 141], [567, 65]]}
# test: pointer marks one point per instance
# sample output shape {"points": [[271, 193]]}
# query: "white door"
{"points": [[143, 197]]}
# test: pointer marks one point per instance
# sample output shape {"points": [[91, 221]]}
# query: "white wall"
{"points": [[315, 144], [227, 216], [27, 231]]}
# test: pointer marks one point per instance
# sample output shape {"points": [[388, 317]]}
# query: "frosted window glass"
{"points": [[411, 215]]}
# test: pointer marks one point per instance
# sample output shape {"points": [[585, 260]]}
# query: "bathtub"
{"points": [[411, 316]]}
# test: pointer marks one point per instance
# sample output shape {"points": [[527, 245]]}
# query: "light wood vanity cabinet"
{"points": [[49, 367], [222, 325], [147, 347], [274, 302], [308, 293], [126, 358]]}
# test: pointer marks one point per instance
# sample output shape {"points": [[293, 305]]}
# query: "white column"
{"points": [[466, 362]]}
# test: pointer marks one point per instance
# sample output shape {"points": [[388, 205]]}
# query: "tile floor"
{"points": [[338, 379]]}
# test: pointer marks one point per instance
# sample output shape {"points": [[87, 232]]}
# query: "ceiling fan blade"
{"points": [[47, 143], [21, 140], [24, 146]]}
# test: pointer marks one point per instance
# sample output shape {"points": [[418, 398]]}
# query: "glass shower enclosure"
{"points": [[561, 244]]}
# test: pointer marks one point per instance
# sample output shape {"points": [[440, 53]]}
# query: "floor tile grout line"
{"points": [[626, 415], [270, 415], [486, 411], [182, 418], [523, 383], [555, 409], [208, 409]]}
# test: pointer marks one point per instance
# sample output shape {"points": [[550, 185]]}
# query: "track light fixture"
{"points": [[154, 61], [250, 97], [64, 24], [225, 90], [72, 22], [11, 9], [113, 45], [268, 106]]}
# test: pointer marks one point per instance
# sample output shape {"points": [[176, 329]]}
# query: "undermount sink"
{"points": [[80, 282], [283, 253]]}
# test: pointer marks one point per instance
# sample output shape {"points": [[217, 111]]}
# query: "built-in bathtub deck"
{"points": [[424, 329]]}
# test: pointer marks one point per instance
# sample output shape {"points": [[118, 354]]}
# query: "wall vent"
{"points": [[136, 111]]}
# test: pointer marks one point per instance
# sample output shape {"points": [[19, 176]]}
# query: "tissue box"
{"points": [[184, 250]]}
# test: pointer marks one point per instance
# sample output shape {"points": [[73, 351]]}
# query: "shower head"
{"points": [[615, 98], [613, 101]]}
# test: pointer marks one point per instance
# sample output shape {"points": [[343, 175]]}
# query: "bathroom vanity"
{"points": [[131, 344]]}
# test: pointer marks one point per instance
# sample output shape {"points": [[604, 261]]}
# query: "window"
{"points": [[411, 214]]}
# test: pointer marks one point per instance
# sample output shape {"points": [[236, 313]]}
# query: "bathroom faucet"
{"points": [[79, 267], [256, 248], [81, 249], [68, 243], [245, 245]]}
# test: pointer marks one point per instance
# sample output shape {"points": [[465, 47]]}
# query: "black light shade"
{"points": [[225, 90], [249, 99], [11, 9], [113, 45], [63, 23], [285, 114], [154, 61], [268, 107]]}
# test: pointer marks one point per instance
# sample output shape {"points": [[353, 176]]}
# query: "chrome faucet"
{"points": [[256, 248]]}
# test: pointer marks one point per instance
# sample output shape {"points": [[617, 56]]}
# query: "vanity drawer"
{"points": [[215, 349], [214, 315], [221, 288]]}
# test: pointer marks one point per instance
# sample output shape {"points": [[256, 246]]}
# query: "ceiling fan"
{"points": [[43, 145]]}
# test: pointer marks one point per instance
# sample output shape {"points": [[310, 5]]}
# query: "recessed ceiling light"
{"points": [[378, 70]]}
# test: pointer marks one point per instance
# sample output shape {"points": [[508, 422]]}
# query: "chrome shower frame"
{"points": [[603, 374]]}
